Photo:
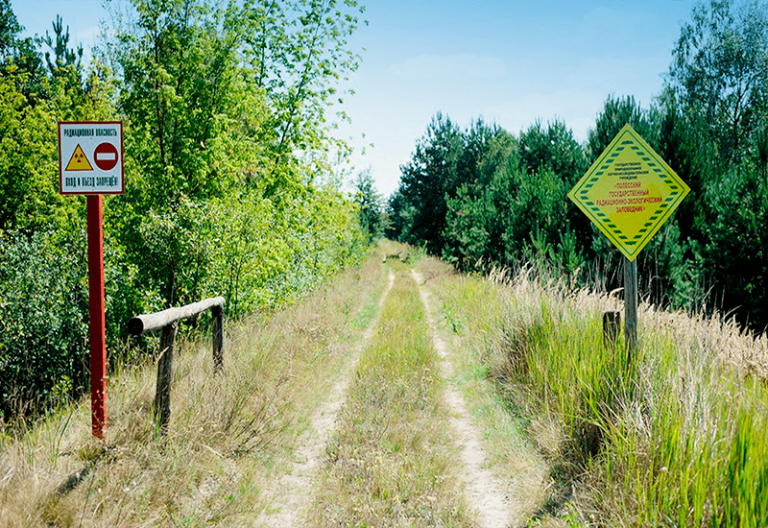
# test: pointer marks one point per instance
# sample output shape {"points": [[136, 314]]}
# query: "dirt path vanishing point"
{"points": [[486, 494], [292, 494]]}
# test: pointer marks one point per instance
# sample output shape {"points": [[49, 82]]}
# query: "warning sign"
{"points": [[78, 161], [91, 157], [629, 192], [105, 156]]}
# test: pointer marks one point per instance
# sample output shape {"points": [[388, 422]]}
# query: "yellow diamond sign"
{"points": [[629, 192]]}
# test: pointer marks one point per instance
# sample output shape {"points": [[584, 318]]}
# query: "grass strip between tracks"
{"points": [[391, 460]]}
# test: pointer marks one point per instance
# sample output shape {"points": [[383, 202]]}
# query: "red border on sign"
{"points": [[61, 162]]}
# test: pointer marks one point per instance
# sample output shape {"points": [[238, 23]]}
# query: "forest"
{"points": [[232, 183], [234, 186], [482, 197], [365, 382]]}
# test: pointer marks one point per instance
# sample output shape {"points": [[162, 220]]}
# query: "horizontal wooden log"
{"points": [[142, 324]]}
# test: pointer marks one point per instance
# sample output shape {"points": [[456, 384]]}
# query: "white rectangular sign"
{"points": [[91, 157]]}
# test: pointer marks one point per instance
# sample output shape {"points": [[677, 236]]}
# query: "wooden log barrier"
{"points": [[141, 324], [218, 339], [167, 321], [164, 374]]}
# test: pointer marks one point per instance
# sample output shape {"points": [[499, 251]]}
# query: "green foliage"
{"points": [[431, 174], [448, 165], [179, 91], [9, 27], [322, 234], [247, 254], [209, 129], [470, 230], [510, 206], [734, 239], [14, 175], [487, 148], [370, 205], [483, 198], [297, 54], [63, 56], [714, 118], [19, 55], [43, 318], [616, 113], [720, 70], [553, 148], [225, 147], [400, 214]]}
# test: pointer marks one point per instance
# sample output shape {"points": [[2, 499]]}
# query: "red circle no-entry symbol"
{"points": [[105, 156]]}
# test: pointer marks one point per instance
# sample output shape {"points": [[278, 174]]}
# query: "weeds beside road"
{"points": [[392, 461], [229, 435], [679, 441], [512, 370]]}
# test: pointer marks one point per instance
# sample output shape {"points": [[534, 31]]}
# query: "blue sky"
{"points": [[510, 62]]}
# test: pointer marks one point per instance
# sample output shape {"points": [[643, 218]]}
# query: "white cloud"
{"points": [[464, 65]]}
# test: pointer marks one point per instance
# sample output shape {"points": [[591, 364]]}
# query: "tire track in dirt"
{"points": [[292, 494], [486, 494]]}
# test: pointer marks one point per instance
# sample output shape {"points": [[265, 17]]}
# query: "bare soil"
{"points": [[292, 495], [493, 502], [486, 494]]}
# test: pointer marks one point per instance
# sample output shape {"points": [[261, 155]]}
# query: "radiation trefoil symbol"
{"points": [[78, 161]]}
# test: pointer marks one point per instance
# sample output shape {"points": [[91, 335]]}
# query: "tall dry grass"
{"points": [[677, 438], [229, 435]]}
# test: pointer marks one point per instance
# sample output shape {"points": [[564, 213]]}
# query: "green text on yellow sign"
{"points": [[629, 192]]}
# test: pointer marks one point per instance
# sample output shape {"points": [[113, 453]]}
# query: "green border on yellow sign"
{"points": [[629, 192]]}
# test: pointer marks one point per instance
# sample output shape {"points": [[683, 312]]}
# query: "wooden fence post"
{"points": [[164, 373], [167, 322], [611, 325], [630, 308], [218, 339]]}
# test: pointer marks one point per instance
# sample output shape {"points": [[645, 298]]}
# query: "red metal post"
{"points": [[97, 326]]}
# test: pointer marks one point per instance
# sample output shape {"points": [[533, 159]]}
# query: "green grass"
{"points": [[678, 438], [230, 436], [391, 460], [469, 315]]}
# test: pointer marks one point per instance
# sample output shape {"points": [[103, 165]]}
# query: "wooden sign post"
{"points": [[91, 163], [96, 313], [628, 193], [630, 307]]}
